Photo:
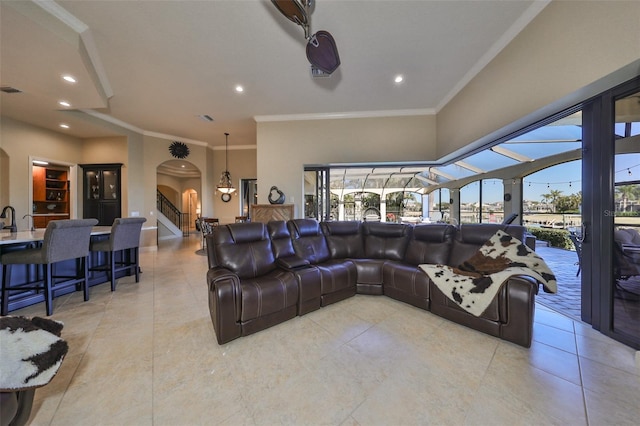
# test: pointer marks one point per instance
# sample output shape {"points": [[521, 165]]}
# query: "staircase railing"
{"points": [[171, 212]]}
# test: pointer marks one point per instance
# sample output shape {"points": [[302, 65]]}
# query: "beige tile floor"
{"points": [[147, 355]]}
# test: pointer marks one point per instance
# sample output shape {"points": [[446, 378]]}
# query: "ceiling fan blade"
{"points": [[293, 10], [322, 52]]}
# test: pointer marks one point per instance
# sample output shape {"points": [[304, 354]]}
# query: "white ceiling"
{"points": [[154, 66]]}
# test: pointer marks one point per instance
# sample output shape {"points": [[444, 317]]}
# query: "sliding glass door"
{"points": [[611, 250], [317, 197], [625, 291]]}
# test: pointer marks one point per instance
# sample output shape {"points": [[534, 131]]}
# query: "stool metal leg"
{"points": [[112, 268], [6, 273], [48, 296], [136, 262], [85, 276]]}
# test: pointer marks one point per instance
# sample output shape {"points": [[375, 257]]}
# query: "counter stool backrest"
{"points": [[67, 239], [125, 233]]}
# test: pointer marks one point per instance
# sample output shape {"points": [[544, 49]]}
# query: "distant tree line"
{"points": [[563, 203]]}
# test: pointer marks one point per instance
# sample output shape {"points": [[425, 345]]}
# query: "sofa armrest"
{"points": [[292, 262], [517, 308], [224, 303]]}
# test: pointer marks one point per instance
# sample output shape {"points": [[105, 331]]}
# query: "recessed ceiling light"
{"points": [[64, 103], [69, 78], [64, 126], [239, 89], [398, 79]]}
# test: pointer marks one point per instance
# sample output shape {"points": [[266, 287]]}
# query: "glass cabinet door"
{"points": [[92, 185], [110, 188]]}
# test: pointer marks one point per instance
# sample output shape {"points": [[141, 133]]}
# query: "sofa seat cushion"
{"points": [[406, 278], [369, 271], [268, 294], [337, 275]]}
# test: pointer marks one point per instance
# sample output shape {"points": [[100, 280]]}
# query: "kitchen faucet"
{"points": [[32, 224], [13, 226]]}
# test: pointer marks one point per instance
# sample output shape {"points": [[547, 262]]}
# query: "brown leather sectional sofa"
{"points": [[260, 275]]}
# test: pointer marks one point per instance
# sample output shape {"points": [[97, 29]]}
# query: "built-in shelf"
{"points": [[50, 195]]}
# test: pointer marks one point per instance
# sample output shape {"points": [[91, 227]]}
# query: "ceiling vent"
{"points": [[318, 73], [206, 117], [9, 89]]}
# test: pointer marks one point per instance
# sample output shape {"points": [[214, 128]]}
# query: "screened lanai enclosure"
{"points": [[535, 174]]}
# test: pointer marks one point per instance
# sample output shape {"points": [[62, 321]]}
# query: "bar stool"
{"points": [[213, 221], [206, 225], [63, 240], [125, 238]]}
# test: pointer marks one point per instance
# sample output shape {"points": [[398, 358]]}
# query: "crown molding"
{"points": [[344, 115], [234, 147]]}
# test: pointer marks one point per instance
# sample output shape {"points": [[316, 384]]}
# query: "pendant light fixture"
{"points": [[225, 186]]}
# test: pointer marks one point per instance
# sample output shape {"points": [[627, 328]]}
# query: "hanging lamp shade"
{"points": [[225, 186]]}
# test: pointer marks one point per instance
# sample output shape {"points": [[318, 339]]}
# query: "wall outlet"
{"points": [[135, 214]]}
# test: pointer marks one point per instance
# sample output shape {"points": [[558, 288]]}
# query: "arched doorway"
{"points": [[179, 189]]}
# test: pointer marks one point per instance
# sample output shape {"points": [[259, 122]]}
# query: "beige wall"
{"points": [[284, 148], [242, 165], [21, 142], [4, 177], [156, 152], [568, 46]]}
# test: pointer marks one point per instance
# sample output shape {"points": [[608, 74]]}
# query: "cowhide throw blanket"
{"points": [[474, 284], [31, 351]]}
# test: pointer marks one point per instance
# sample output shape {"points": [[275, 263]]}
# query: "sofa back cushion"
{"points": [[470, 237], [244, 248], [280, 239], [344, 239], [385, 240], [430, 243], [308, 241]]}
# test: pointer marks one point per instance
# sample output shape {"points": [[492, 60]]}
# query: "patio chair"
{"points": [[509, 219], [577, 244], [626, 253]]}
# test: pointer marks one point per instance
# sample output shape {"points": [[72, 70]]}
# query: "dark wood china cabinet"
{"points": [[102, 192]]}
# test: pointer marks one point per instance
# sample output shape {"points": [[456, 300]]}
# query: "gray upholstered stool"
{"points": [[63, 240], [125, 236]]}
